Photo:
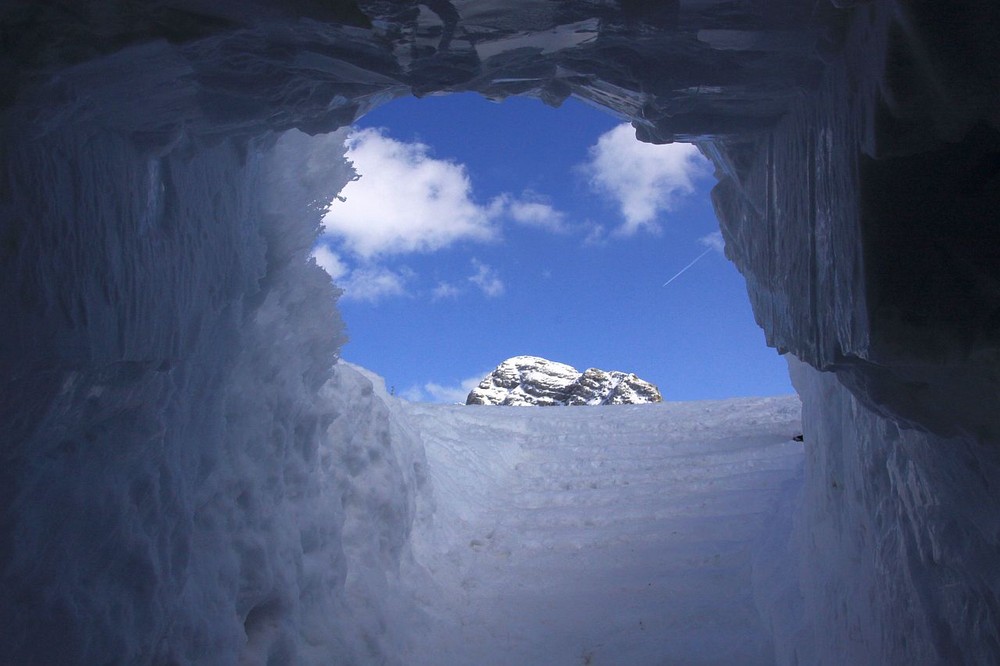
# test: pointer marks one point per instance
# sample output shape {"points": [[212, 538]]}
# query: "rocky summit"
{"points": [[530, 380]]}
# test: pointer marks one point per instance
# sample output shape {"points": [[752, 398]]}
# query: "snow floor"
{"points": [[598, 535]]}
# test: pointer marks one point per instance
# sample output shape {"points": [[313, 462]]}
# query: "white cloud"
{"points": [[405, 200], [433, 392], [329, 262], [487, 279], [597, 234], [715, 241], [444, 290], [374, 283], [370, 283], [533, 211], [413, 394], [643, 179], [452, 394]]}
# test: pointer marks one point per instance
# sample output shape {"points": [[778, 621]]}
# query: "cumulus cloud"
{"points": [[405, 200], [374, 283], [370, 283], [444, 290], [453, 393], [413, 394], [714, 241], [326, 259], [597, 234], [642, 179], [534, 211], [487, 279], [484, 278]]}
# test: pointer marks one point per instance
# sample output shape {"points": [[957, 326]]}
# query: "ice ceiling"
{"points": [[856, 141], [143, 255]]}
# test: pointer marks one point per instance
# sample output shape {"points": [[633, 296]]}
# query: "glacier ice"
{"points": [[892, 521], [185, 478]]}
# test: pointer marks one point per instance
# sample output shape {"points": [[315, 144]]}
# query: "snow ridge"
{"points": [[532, 380]]}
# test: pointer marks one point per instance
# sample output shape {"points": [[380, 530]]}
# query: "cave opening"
{"points": [[479, 231], [184, 481]]}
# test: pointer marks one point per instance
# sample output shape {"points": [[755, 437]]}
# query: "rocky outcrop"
{"points": [[533, 381]]}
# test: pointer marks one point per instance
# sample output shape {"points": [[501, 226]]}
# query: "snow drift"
{"points": [[612, 535]]}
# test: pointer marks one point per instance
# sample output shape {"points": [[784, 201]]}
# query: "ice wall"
{"points": [[895, 541], [170, 490], [864, 221]]}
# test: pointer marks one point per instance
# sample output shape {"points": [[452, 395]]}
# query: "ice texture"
{"points": [[185, 479], [863, 220], [172, 490], [891, 554]]}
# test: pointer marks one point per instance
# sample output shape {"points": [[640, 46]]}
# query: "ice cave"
{"points": [[189, 477]]}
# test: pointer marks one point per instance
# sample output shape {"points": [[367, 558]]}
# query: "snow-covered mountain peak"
{"points": [[532, 380]]}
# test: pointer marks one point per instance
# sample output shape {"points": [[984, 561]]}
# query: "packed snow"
{"points": [[606, 535], [624, 534]]}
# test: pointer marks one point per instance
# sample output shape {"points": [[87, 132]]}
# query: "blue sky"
{"points": [[480, 231]]}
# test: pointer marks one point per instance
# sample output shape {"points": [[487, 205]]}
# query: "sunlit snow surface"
{"points": [[597, 535]]}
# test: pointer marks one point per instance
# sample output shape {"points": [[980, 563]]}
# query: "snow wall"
{"points": [[182, 480], [171, 493]]}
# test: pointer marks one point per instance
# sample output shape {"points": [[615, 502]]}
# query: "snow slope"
{"points": [[609, 535]]}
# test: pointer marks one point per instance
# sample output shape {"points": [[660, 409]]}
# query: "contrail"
{"points": [[681, 271]]}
